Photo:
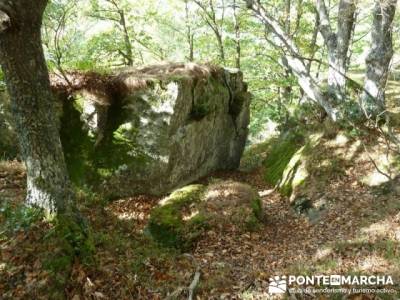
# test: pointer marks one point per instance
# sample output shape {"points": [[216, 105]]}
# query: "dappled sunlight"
{"points": [[352, 150], [373, 263], [133, 209], [340, 141], [380, 229], [130, 216], [375, 178], [323, 253], [191, 215], [3, 266], [199, 149], [212, 194], [386, 167], [264, 193]]}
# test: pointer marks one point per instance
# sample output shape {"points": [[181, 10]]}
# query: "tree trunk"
{"points": [[189, 33], [127, 40], [210, 18], [378, 59], [220, 46], [287, 91], [337, 44], [237, 36], [293, 61], [313, 45], [32, 101]]}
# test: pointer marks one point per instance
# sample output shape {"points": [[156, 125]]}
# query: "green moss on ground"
{"points": [[167, 223], [181, 219]]}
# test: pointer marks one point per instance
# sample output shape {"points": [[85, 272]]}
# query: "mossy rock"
{"points": [[230, 203], [181, 219], [254, 156], [280, 156], [287, 162], [171, 222]]}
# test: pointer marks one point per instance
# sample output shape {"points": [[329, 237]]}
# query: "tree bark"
{"points": [[337, 44], [237, 36], [378, 59], [32, 101], [313, 45], [189, 32], [292, 60], [127, 40], [287, 91], [210, 17]]}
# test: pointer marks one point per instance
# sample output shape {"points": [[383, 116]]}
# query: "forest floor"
{"points": [[358, 234]]}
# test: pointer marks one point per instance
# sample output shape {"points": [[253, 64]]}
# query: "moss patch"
{"points": [[254, 156], [296, 171], [181, 218], [77, 144], [280, 156], [168, 224]]}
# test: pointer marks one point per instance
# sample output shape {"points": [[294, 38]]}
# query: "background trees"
{"points": [[306, 62], [298, 55], [304, 49], [379, 58]]}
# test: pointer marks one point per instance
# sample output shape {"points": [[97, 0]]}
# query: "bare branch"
{"points": [[324, 22], [194, 284]]}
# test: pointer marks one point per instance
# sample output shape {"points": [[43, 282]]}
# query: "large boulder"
{"points": [[168, 124]]}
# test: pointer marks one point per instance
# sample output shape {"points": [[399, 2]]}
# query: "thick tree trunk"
{"points": [[26, 74], [337, 44], [378, 59]]}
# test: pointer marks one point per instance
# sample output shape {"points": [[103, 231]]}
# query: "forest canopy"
{"points": [[197, 149]]}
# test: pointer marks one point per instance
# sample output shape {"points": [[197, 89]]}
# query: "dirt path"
{"points": [[358, 233]]}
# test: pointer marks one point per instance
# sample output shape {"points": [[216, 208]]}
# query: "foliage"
{"points": [[17, 217]]}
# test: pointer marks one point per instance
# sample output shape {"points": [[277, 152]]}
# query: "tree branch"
{"points": [[324, 22], [261, 13]]}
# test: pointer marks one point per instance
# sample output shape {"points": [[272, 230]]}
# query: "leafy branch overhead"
{"points": [[197, 149]]}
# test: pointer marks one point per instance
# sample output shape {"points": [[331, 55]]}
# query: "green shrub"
{"points": [[18, 217]]}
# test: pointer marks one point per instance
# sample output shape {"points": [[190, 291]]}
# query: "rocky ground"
{"points": [[357, 232]]}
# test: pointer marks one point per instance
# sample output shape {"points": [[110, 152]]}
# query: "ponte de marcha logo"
{"points": [[282, 284], [277, 285]]}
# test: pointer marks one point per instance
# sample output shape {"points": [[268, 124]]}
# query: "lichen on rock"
{"points": [[170, 124]]}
